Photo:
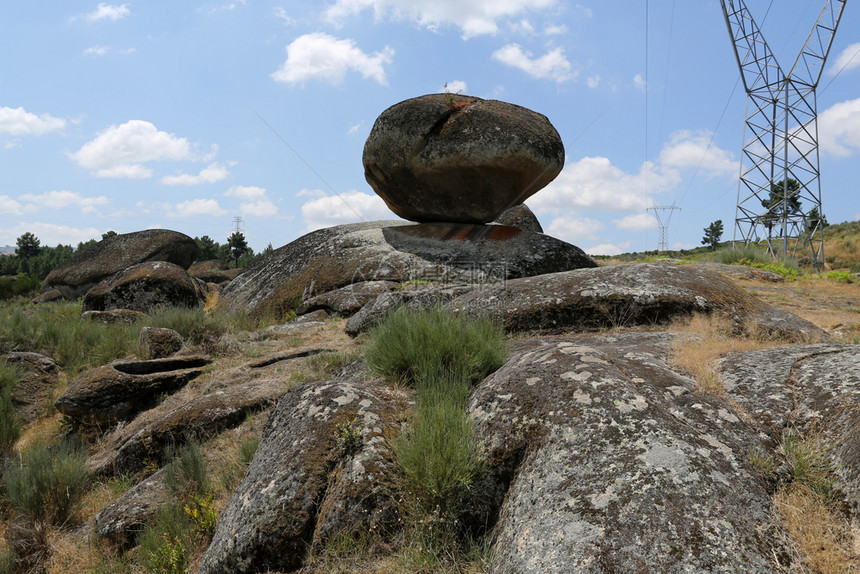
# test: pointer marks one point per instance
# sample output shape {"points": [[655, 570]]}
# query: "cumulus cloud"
{"points": [[60, 200], [551, 66], [111, 12], [473, 17], [324, 57], [121, 151], [49, 233], [593, 183], [636, 222], [99, 51], [689, 149], [195, 207], [455, 87], [19, 122], [214, 172], [349, 207], [9, 206], [847, 60], [608, 248], [639, 83], [573, 229], [255, 200], [839, 128]]}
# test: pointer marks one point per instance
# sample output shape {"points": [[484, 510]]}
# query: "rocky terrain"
{"points": [[655, 417]]}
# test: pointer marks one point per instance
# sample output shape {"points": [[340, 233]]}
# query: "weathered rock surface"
{"points": [[121, 521], [301, 488], [612, 296], [158, 342], [122, 389], [213, 271], [447, 157], [744, 272], [332, 258], [612, 464], [347, 300], [520, 216], [48, 297], [813, 389], [77, 275], [146, 287], [32, 394]]}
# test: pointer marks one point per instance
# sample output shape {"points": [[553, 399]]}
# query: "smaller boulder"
{"points": [[48, 297], [146, 287], [213, 271], [520, 216], [158, 342], [33, 392], [121, 521], [125, 316], [122, 389]]}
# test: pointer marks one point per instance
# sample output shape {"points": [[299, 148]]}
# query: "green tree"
{"points": [[238, 246], [815, 220], [776, 207], [208, 247], [108, 234], [28, 245], [713, 233]]}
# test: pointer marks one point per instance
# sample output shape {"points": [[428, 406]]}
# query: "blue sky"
{"points": [[186, 115]]}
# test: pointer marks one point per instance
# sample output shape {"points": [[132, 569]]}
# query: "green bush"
{"points": [[409, 342], [438, 453], [739, 254], [842, 276], [187, 473], [808, 462], [165, 546], [46, 483], [10, 424]]}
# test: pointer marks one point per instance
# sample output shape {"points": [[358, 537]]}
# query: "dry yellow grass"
{"points": [[821, 534]]}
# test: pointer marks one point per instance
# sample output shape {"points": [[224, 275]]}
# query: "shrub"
{"points": [[735, 255], [808, 463], [438, 452], [10, 424], [842, 276], [409, 342], [165, 546], [187, 473], [46, 483]]}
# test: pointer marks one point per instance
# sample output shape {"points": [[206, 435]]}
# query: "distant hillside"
{"points": [[841, 249]]}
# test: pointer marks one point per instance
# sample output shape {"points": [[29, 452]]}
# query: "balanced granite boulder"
{"points": [[146, 287], [448, 157], [331, 258], [89, 266]]}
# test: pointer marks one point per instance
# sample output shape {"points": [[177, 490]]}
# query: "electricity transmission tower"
{"points": [[779, 190], [664, 225]]}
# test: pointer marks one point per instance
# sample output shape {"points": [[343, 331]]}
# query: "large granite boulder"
{"points": [[77, 275], [520, 216], [146, 287], [448, 157], [302, 487], [122, 389], [605, 297], [601, 459], [332, 258]]}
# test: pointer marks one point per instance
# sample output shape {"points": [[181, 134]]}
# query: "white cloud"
{"points": [[572, 229], [553, 65], [194, 207], [639, 83], [324, 57], [455, 87], [355, 128], [279, 12], [554, 30], [349, 207], [523, 27], [50, 234], [19, 122], [60, 200], [592, 81], [839, 129], [120, 151], [110, 12], [214, 172], [608, 248], [688, 149], [636, 222], [473, 17], [99, 51], [847, 60], [9, 206], [594, 183], [256, 201]]}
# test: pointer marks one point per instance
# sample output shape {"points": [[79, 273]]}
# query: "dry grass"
{"points": [[43, 430], [715, 339], [821, 534]]}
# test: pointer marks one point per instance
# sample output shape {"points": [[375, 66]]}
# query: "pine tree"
{"points": [[713, 233]]}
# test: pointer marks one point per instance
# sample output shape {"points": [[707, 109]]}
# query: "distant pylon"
{"points": [[664, 224], [237, 224], [779, 190]]}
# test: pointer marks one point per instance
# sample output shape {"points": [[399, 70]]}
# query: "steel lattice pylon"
{"points": [[779, 190]]}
